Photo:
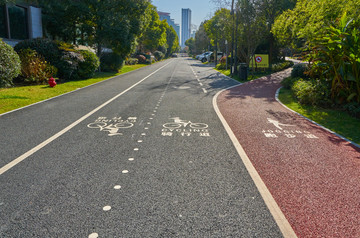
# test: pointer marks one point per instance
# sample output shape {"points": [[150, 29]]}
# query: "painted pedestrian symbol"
{"points": [[290, 134], [112, 126], [277, 124], [184, 128]]}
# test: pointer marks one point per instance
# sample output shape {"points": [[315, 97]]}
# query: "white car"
{"points": [[219, 56], [203, 57]]}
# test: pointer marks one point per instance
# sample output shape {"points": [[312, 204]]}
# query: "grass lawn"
{"points": [[335, 120], [17, 97]]}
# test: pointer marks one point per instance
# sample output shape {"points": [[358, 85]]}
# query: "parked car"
{"points": [[203, 57], [219, 55]]}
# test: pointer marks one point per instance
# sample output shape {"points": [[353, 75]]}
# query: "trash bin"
{"points": [[243, 72]]}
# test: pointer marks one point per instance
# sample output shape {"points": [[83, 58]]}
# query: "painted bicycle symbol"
{"points": [[183, 123], [111, 128]]}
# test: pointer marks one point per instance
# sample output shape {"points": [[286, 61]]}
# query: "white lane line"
{"points": [[63, 131], [204, 90], [201, 84], [269, 200]]}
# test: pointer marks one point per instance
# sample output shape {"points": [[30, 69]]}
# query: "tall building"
{"points": [[185, 25], [171, 22]]}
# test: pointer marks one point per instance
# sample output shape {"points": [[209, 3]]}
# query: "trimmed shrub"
{"points": [[288, 82], [34, 68], [90, 64], [281, 66], [10, 66], [304, 91], [299, 71], [69, 64], [111, 62], [141, 59], [221, 66], [158, 55], [131, 61], [45, 47]]}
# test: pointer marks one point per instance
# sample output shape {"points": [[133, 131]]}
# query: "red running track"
{"points": [[313, 175]]}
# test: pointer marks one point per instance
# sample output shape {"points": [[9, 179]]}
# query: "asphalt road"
{"points": [[153, 161]]}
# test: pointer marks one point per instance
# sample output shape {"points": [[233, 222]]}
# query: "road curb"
{"points": [[326, 129], [270, 202]]}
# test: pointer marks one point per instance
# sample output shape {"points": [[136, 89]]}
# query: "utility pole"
{"points": [[232, 40]]}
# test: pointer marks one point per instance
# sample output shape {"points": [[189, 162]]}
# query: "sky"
{"points": [[200, 9]]}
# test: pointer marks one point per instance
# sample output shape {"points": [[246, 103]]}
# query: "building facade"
{"points": [[171, 22], [185, 25], [20, 22]]}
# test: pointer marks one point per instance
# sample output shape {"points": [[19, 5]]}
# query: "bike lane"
{"points": [[153, 162], [312, 174]]}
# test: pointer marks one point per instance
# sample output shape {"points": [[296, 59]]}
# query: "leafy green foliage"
{"points": [[159, 55], [281, 66], [9, 64], [47, 48], [111, 62], [34, 68], [90, 64], [335, 56], [131, 61], [191, 44], [299, 71]]}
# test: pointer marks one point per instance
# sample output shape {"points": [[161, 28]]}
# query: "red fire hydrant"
{"points": [[52, 82]]}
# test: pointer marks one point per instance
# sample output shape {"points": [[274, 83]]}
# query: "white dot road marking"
{"points": [[117, 187], [136, 149], [131, 159], [140, 141], [93, 235], [106, 208], [143, 134], [146, 128], [125, 171], [66, 129], [149, 123]]}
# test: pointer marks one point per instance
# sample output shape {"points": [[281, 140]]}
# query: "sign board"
{"points": [[260, 61]]}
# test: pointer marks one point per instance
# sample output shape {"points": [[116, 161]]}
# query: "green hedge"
{"points": [[10, 66]]}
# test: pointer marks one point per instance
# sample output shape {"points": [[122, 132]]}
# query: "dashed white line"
{"points": [[117, 187], [93, 235], [107, 208], [125, 171], [201, 84], [204, 90]]}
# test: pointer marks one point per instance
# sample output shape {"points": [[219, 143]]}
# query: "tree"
{"points": [[218, 28], [191, 44], [252, 28], [310, 17], [172, 41], [154, 34], [108, 23], [202, 41]]}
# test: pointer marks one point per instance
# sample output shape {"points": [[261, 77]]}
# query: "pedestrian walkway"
{"points": [[313, 175]]}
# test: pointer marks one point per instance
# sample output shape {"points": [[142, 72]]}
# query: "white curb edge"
{"points": [[270, 202], [326, 129]]}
